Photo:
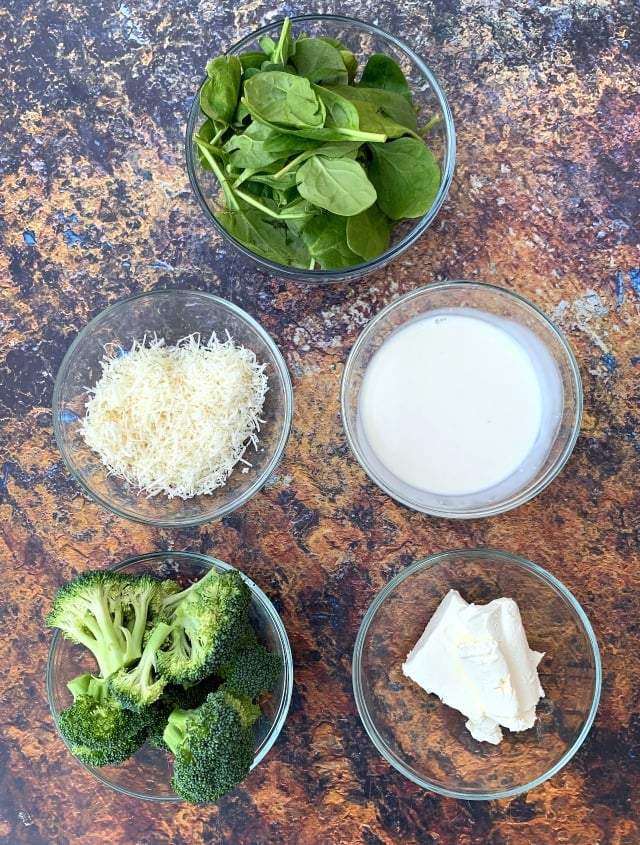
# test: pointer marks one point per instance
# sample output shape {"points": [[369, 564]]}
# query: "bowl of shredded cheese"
{"points": [[172, 407]]}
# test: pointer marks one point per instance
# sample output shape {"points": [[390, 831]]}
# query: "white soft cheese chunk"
{"points": [[476, 658]]}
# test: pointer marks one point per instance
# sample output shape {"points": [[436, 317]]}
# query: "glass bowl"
{"points": [[147, 773], [427, 741], [472, 408], [363, 39], [172, 315]]}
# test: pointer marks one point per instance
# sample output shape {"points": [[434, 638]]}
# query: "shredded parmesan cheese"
{"points": [[176, 419]]}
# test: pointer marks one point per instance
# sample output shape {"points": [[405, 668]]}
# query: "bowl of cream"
{"points": [[461, 400]]}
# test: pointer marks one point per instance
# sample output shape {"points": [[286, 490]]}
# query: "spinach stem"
{"points": [[433, 122], [229, 195], [295, 161], [276, 215]]}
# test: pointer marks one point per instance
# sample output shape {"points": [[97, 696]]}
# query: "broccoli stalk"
{"points": [[140, 686], [137, 597], [213, 746]]}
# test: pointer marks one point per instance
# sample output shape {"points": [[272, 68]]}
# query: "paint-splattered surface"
{"points": [[96, 204]]}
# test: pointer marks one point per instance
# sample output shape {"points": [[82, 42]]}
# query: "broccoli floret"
{"points": [[207, 619], [106, 612], [252, 670], [213, 746], [176, 696], [137, 599], [179, 668], [100, 757], [96, 727], [139, 686], [166, 588]]}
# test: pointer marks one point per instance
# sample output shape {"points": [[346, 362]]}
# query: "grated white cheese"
{"points": [[176, 419]]}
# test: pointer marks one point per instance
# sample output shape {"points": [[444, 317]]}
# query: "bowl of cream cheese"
{"points": [[461, 400], [476, 673]]}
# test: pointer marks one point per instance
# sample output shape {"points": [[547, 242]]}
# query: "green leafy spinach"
{"points": [[316, 166]]}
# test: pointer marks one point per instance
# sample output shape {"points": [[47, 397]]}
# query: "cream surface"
{"points": [[451, 403]]}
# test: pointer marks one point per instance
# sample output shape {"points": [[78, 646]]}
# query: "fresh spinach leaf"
{"points": [[406, 177], [335, 184], [351, 64], [282, 99], [259, 146], [369, 233], [388, 103], [219, 95], [252, 59], [340, 112], [267, 45], [383, 72], [376, 122], [319, 61], [326, 240], [270, 239]]}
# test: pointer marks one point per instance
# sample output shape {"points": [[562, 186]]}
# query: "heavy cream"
{"points": [[458, 401], [476, 659]]}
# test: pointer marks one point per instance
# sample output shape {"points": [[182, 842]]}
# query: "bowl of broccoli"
{"points": [[169, 675]]}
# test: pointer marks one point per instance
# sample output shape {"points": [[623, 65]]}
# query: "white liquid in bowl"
{"points": [[458, 401]]}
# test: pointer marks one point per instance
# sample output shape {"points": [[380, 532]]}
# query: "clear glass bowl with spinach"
{"points": [[321, 146]]}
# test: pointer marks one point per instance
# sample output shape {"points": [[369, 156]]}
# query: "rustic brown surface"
{"points": [[96, 204]]}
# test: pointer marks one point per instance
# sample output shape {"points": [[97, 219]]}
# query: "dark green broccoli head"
{"points": [[252, 670], [207, 619], [110, 755], [176, 696], [213, 747], [97, 722]]}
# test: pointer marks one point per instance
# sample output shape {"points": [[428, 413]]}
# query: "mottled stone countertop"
{"points": [[95, 204]]}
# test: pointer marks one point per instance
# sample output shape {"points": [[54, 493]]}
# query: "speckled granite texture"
{"points": [[95, 204]]}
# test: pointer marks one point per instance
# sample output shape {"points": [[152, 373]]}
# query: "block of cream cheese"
{"points": [[476, 658]]}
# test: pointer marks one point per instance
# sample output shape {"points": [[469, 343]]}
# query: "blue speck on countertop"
{"points": [[4, 478], [619, 288], [29, 237], [634, 280], [610, 362], [72, 238]]}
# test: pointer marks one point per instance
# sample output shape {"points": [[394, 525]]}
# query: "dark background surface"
{"points": [[95, 204]]}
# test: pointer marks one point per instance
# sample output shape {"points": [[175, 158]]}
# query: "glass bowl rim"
{"points": [[514, 501], [279, 629], [485, 554], [356, 270], [283, 376]]}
